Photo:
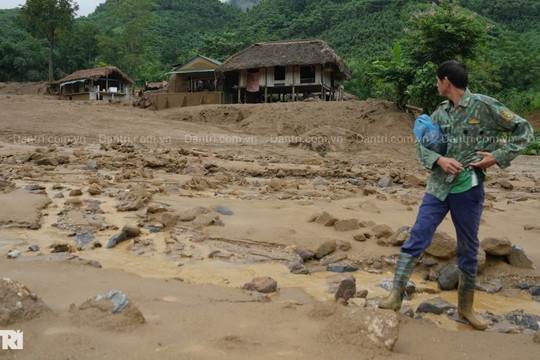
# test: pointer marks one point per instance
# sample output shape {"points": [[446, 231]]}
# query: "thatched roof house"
{"points": [[286, 67], [283, 53], [97, 84]]}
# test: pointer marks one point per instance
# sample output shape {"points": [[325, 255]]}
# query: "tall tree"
{"points": [[46, 18], [131, 38]]}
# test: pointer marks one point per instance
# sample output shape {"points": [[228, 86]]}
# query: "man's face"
{"points": [[442, 85]]}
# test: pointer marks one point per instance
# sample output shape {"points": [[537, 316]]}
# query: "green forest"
{"points": [[392, 46]]}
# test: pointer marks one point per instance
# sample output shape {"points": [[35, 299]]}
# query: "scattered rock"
{"points": [[449, 277], [339, 268], [490, 287], [304, 254], [346, 289], [62, 247], [263, 284], [519, 258], [507, 185], [109, 311], [131, 230], [497, 246], [191, 214], [435, 306], [75, 192], [442, 246], [222, 209], [385, 182], [346, 225], [326, 248], [326, 219], [360, 237], [85, 236], [13, 254], [297, 266], [382, 231], [18, 303], [155, 208], [117, 239], [519, 317], [33, 248], [95, 189], [535, 290], [401, 235]]}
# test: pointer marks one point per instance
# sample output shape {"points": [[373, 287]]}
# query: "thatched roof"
{"points": [[283, 53], [97, 73]]}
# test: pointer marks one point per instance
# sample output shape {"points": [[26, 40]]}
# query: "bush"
{"points": [[534, 146]]}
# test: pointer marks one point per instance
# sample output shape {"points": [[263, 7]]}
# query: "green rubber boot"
{"points": [[465, 300], [405, 265]]}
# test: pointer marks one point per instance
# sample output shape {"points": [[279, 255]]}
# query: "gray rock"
{"points": [[535, 290], [341, 268], [222, 209], [519, 317], [116, 239], [296, 266], [519, 258], [449, 277], [84, 237], [435, 306], [91, 166], [333, 258], [388, 284], [304, 254], [34, 187], [523, 286], [442, 246], [33, 248], [491, 287], [497, 246], [385, 182], [117, 298]]}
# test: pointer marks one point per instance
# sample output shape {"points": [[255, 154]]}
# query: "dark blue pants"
{"points": [[466, 211]]}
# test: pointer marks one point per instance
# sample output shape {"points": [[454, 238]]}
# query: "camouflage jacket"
{"points": [[479, 123]]}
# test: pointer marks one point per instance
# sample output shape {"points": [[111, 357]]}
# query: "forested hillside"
{"points": [[148, 39]]}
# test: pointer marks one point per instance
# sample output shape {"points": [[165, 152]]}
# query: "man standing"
{"points": [[473, 126]]}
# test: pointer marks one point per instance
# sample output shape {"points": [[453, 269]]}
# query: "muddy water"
{"points": [[201, 270]]}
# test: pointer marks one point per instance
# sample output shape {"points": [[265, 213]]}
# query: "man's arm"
{"points": [[521, 133]]}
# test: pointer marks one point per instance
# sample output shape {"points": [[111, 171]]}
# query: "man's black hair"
{"points": [[455, 71]]}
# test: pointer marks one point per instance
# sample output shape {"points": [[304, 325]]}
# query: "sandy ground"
{"points": [[222, 194]]}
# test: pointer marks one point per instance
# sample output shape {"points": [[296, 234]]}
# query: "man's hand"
{"points": [[450, 165], [487, 160]]}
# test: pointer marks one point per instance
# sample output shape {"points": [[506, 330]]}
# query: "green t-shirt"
{"points": [[466, 180]]}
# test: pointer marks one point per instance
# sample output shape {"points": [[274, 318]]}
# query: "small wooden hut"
{"points": [[96, 84], [284, 68]]}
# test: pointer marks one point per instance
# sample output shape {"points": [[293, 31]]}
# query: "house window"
{"points": [[307, 74], [279, 73]]}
